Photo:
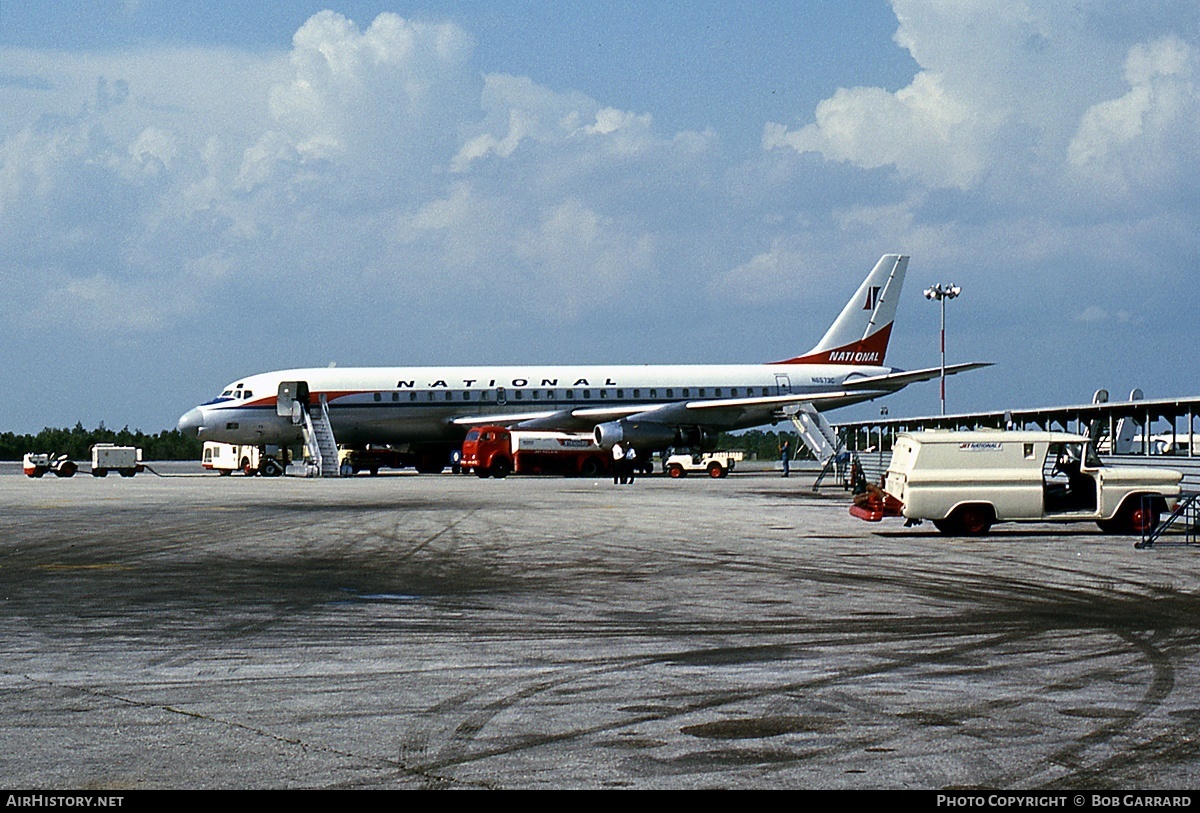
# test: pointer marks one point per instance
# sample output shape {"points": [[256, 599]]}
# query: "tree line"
{"points": [[763, 445], [170, 444]]}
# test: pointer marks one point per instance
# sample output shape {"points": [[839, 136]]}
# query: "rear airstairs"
{"points": [[818, 436]]}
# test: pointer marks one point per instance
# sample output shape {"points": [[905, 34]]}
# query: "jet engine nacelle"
{"points": [[639, 434], [697, 439]]}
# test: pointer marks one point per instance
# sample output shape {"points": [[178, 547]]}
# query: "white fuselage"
{"points": [[422, 404]]}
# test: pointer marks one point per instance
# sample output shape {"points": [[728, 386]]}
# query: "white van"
{"points": [[967, 481]]}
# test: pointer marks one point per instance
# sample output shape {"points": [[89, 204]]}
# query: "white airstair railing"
{"points": [[320, 441]]}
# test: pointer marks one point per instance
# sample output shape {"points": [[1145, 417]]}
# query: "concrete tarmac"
{"points": [[414, 631]]}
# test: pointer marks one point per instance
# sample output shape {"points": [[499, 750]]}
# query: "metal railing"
{"points": [[1185, 520]]}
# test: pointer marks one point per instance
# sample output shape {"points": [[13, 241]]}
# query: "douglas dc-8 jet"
{"points": [[651, 407]]}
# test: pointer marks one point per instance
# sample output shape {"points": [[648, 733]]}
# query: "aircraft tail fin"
{"points": [[860, 333]]}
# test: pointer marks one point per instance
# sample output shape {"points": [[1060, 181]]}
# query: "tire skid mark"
{"points": [[974, 623], [457, 751], [424, 543], [1159, 688]]}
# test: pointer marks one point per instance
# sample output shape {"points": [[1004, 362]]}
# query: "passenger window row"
{"points": [[620, 394]]}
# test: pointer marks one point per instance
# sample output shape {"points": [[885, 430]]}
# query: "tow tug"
{"points": [[38, 464]]}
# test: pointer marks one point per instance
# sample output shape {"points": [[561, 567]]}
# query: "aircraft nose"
{"points": [[191, 422]]}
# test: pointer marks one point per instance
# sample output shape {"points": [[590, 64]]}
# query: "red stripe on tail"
{"points": [[869, 351]]}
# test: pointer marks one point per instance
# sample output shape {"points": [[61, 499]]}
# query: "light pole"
{"points": [[941, 293]]}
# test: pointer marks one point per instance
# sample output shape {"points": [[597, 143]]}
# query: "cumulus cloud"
{"points": [[518, 110], [1024, 126], [922, 130], [997, 94], [356, 159], [376, 96], [155, 149], [1146, 138]]}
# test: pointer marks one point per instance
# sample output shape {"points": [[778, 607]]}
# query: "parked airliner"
{"points": [[651, 407]]}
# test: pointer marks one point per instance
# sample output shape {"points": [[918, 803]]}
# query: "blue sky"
{"points": [[194, 192]]}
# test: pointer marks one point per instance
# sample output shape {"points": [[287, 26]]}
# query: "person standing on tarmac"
{"points": [[785, 455], [630, 464], [618, 464]]}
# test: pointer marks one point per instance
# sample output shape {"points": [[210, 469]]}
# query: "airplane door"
{"points": [[291, 399], [784, 383]]}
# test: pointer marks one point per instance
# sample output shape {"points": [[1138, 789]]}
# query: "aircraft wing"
{"points": [[896, 380], [727, 410], [580, 419], [720, 410], [713, 410], [504, 420]]}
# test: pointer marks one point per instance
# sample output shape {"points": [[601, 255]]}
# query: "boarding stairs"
{"points": [[817, 435], [1185, 518], [319, 440]]}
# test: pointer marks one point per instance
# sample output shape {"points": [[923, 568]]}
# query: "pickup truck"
{"points": [[967, 481]]}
